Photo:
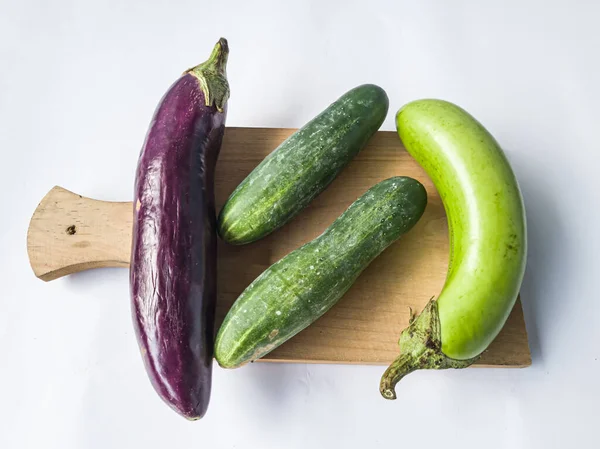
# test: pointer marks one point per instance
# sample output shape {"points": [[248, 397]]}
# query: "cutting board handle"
{"points": [[69, 233]]}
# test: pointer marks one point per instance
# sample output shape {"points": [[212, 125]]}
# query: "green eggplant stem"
{"points": [[420, 348], [212, 76], [400, 367]]}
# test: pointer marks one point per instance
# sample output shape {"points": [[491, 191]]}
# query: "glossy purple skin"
{"points": [[173, 260]]}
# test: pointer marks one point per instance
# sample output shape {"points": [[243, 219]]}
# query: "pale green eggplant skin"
{"points": [[486, 221]]}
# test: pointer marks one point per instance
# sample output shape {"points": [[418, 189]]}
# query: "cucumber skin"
{"points": [[301, 287], [302, 166], [486, 218]]}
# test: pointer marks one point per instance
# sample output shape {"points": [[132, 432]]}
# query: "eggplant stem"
{"points": [[420, 348], [400, 367], [212, 75]]}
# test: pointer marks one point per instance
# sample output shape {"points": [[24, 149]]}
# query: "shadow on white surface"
{"points": [[84, 279], [545, 258]]}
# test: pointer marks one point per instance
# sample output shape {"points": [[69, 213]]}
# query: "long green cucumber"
{"points": [[298, 289], [302, 166], [487, 226]]}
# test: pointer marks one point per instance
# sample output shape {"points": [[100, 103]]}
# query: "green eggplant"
{"points": [[488, 239]]}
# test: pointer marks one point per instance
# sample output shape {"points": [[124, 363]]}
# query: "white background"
{"points": [[79, 81]]}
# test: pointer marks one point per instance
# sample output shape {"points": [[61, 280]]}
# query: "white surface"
{"points": [[78, 84]]}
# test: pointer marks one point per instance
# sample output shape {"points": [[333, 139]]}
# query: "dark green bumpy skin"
{"points": [[302, 166], [301, 287]]}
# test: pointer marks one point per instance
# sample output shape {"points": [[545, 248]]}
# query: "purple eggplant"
{"points": [[174, 249]]}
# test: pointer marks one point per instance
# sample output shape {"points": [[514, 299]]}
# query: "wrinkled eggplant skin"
{"points": [[173, 262]]}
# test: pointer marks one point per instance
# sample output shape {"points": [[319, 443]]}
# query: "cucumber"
{"points": [[302, 166], [298, 289]]}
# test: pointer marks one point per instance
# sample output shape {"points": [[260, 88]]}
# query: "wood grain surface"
{"points": [[70, 233]]}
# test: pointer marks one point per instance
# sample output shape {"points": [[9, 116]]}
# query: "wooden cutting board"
{"points": [[70, 233]]}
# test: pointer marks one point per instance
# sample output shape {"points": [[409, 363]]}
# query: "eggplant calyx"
{"points": [[212, 75], [420, 348]]}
